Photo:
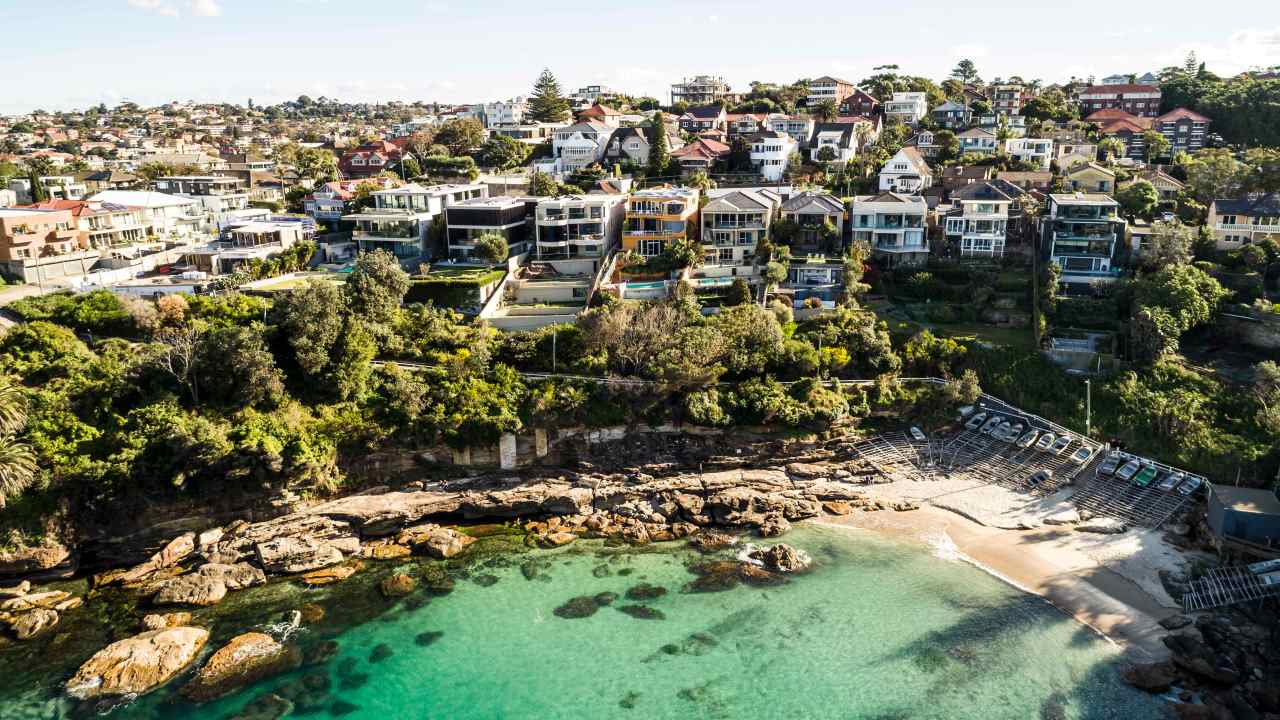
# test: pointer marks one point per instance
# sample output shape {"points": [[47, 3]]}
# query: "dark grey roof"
{"points": [[982, 191], [827, 202], [736, 200], [706, 112], [1253, 205]]}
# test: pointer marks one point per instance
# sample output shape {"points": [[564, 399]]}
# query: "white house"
{"points": [[978, 227], [505, 112], [165, 215], [894, 226], [906, 172], [401, 218], [1037, 151], [978, 141], [799, 127], [577, 146], [769, 154], [907, 107]]}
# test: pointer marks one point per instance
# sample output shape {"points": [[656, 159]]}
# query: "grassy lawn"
{"points": [[1019, 338], [297, 281], [480, 276]]}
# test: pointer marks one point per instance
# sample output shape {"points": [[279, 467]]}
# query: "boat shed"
{"points": [[1244, 514]]}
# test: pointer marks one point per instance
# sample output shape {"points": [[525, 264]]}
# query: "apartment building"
{"points": [[894, 225], [733, 223], [770, 152], [1136, 99], [504, 112], [578, 226], [810, 212], [1008, 98], [469, 219], [658, 216], [164, 215], [1036, 151], [101, 225], [1185, 130], [30, 237], [907, 108], [401, 219], [701, 90], [977, 227], [1239, 222], [827, 88], [1079, 233]]}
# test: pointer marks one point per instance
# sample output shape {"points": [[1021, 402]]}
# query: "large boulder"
{"points": [[160, 621], [439, 542], [137, 665], [291, 555], [397, 585], [174, 552], [195, 589], [32, 623], [236, 577], [247, 659], [332, 574], [782, 558], [1151, 677], [28, 561]]}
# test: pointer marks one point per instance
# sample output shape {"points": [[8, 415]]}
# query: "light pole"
{"points": [[1088, 405]]}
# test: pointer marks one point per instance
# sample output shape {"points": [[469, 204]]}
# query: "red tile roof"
{"points": [[1181, 113]]}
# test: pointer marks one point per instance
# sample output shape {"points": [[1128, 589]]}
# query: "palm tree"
{"points": [[17, 460], [826, 110]]}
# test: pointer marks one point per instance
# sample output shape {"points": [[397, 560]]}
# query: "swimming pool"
{"points": [[652, 285]]}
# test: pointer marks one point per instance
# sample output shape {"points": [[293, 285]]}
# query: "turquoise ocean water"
{"points": [[879, 629]]}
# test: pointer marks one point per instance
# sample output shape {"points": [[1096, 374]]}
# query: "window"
{"points": [[650, 248]]}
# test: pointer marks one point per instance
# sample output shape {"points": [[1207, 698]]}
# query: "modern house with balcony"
{"points": [[194, 185], [571, 227], [1008, 98], [810, 211], [799, 127], [400, 221], [469, 219], [769, 154], [978, 226], [658, 216], [329, 202], [1079, 233], [978, 141], [828, 88], [701, 90], [1246, 220], [37, 244], [577, 146], [248, 242], [894, 226], [1036, 151], [165, 216], [101, 225], [733, 223], [907, 108], [952, 115], [906, 172]]}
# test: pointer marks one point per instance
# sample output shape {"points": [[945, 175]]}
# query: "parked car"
{"points": [[1081, 456], [1109, 464], [991, 424], [976, 421], [1171, 480], [1040, 476], [1145, 475], [917, 435], [1028, 438], [1045, 442], [1061, 444], [1190, 485], [1128, 470]]}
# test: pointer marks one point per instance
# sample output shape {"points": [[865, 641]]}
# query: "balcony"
{"points": [[653, 233], [388, 234], [1248, 228]]}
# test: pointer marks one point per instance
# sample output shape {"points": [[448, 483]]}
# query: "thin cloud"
{"points": [[206, 8], [157, 6], [167, 8]]}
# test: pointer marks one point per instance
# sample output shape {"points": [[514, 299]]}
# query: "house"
{"points": [[1014, 125], [894, 225], [577, 146], [369, 159], [602, 114], [707, 117], [57, 187], [658, 216], [860, 102], [99, 180], [1239, 222], [246, 243], [1035, 151], [828, 89], [578, 226], [799, 127], [101, 225], [468, 219], [328, 202], [835, 142], [1070, 151], [1079, 233], [1042, 181], [1165, 184], [978, 227], [401, 219], [770, 152], [220, 197], [955, 177], [40, 244], [924, 142], [1141, 100], [907, 108], [629, 144], [952, 115], [504, 112], [810, 211], [978, 141], [701, 154], [701, 90], [530, 133], [814, 278], [1185, 130], [1090, 177], [906, 172], [1008, 98], [744, 124], [1243, 515], [1146, 79], [733, 223], [165, 216]]}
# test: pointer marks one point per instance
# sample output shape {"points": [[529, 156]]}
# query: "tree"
{"points": [[825, 154], [461, 135], [825, 111], [542, 185], [18, 466], [312, 319], [1155, 145], [739, 293], [546, 104], [503, 153], [965, 71], [659, 153], [1266, 390], [491, 247], [1111, 148], [948, 145], [1169, 244], [376, 288], [1214, 173], [317, 164], [1139, 198], [236, 370], [410, 168], [1169, 303]]}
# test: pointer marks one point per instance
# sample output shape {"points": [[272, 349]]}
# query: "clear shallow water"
{"points": [[879, 629]]}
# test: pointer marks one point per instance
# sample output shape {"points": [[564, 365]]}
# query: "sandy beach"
{"points": [[1109, 582]]}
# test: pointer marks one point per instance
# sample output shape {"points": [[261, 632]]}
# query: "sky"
{"points": [[69, 54]]}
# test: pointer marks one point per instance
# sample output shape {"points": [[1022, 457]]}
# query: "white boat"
{"points": [[1045, 442]]}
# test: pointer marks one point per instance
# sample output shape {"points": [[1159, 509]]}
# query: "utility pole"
{"points": [[1088, 405], [553, 352]]}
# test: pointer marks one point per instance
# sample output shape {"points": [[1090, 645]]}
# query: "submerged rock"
{"points": [[244, 660], [381, 652], [320, 653], [783, 558], [342, 707], [721, 575], [160, 621], [265, 707], [645, 591], [642, 612], [428, 638], [485, 580], [435, 579], [606, 598], [397, 585], [629, 700], [137, 665], [578, 607], [32, 623]]}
